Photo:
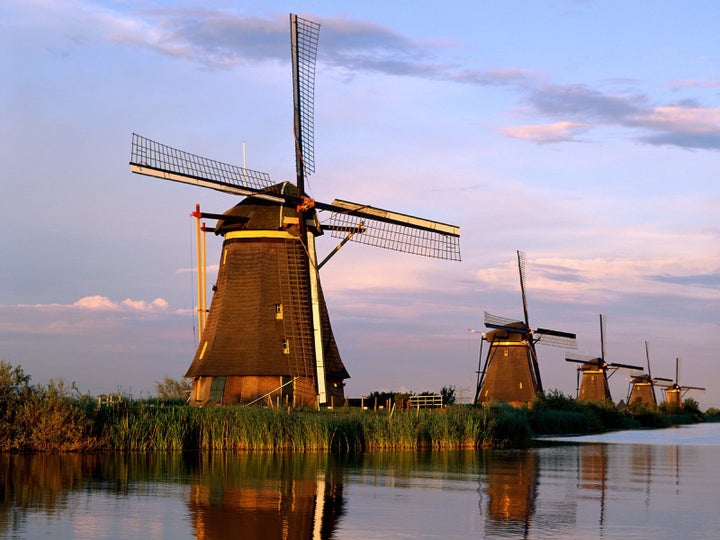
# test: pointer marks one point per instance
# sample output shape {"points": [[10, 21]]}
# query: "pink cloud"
{"points": [[96, 302], [557, 132], [690, 119]]}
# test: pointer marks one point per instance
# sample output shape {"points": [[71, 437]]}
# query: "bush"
{"points": [[171, 389]]}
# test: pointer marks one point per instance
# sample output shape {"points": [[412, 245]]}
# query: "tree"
{"points": [[170, 388], [448, 395]]}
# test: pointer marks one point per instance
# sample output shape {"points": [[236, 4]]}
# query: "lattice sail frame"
{"points": [[543, 336], [496, 320], [148, 154], [394, 231], [553, 338], [308, 35]]}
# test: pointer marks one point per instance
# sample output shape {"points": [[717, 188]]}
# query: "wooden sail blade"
{"points": [[394, 231], [496, 321], [555, 338], [581, 358], [521, 269], [161, 161], [625, 366]]}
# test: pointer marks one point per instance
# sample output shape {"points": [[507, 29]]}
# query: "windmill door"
{"points": [[217, 389], [287, 390]]}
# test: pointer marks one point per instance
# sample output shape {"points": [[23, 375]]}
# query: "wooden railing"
{"points": [[431, 401]]}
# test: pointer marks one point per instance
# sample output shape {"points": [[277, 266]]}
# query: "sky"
{"points": [[584, 133]]}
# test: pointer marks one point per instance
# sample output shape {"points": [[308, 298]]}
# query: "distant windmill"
{"points": [[511, 372], [593, 374], [642, 387], [268, 335], [674, 393]]}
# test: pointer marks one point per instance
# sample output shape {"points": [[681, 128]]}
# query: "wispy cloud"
{"points": [[603, 280], [550, 133], [225, 39], [90, 315]]}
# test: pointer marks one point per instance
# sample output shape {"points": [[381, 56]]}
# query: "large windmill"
{"points": [[593, 374], [511, 373], [674, 393], [268, 333], [642, 387]]}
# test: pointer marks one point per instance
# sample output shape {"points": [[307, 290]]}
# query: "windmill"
{"points": [[511, 373], [642, 387], [593, 374], [268, 334], [674, 393]]}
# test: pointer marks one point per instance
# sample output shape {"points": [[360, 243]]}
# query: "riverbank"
{"points": [[62, 424], [56, 418]]}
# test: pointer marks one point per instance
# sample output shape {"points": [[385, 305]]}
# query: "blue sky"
{"points": [[586, 134]]}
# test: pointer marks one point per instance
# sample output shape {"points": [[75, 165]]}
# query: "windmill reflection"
{"points": [[511, 491], [265, 496], [592, 475]]}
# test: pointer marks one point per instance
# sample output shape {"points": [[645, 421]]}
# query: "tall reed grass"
{"points": [[138, 428], [57, 419]]}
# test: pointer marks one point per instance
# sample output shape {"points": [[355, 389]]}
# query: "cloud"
{"points": [[709, 280], [550, 133], [224, 39], [604, 280], [685, 124], [102, 303], [90, 315], [96, 303], [159, 304], [702, 83]]}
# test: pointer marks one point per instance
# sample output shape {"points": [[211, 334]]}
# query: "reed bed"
{"points": [[56, 418], [137, 428]]}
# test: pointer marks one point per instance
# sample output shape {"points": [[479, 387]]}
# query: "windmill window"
{"points": [[278, 311], [286, 346]]}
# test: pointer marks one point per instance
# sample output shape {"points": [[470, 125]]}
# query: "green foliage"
{"points": [[171, 389], [712, 415], [692, 407], [41, 419], [448, 395]]}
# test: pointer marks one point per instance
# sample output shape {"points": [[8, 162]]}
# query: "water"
{"points": [[638, 484]]}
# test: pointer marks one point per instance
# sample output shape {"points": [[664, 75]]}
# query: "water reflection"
{"points": [[593, 476], [589, 490], [265, 496], [511, 489]]}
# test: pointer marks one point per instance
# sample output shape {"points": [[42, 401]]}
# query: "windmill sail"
{"points": [[304, 36], [374, 226], [152, 158], [395, 231]]}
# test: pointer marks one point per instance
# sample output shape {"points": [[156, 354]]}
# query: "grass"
{"points": [[57, 419]]}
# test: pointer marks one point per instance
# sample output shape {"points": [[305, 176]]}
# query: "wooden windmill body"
{"points": [[594, 373], [268, 336], [675, 393], [511, 372], [642, 387]]}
